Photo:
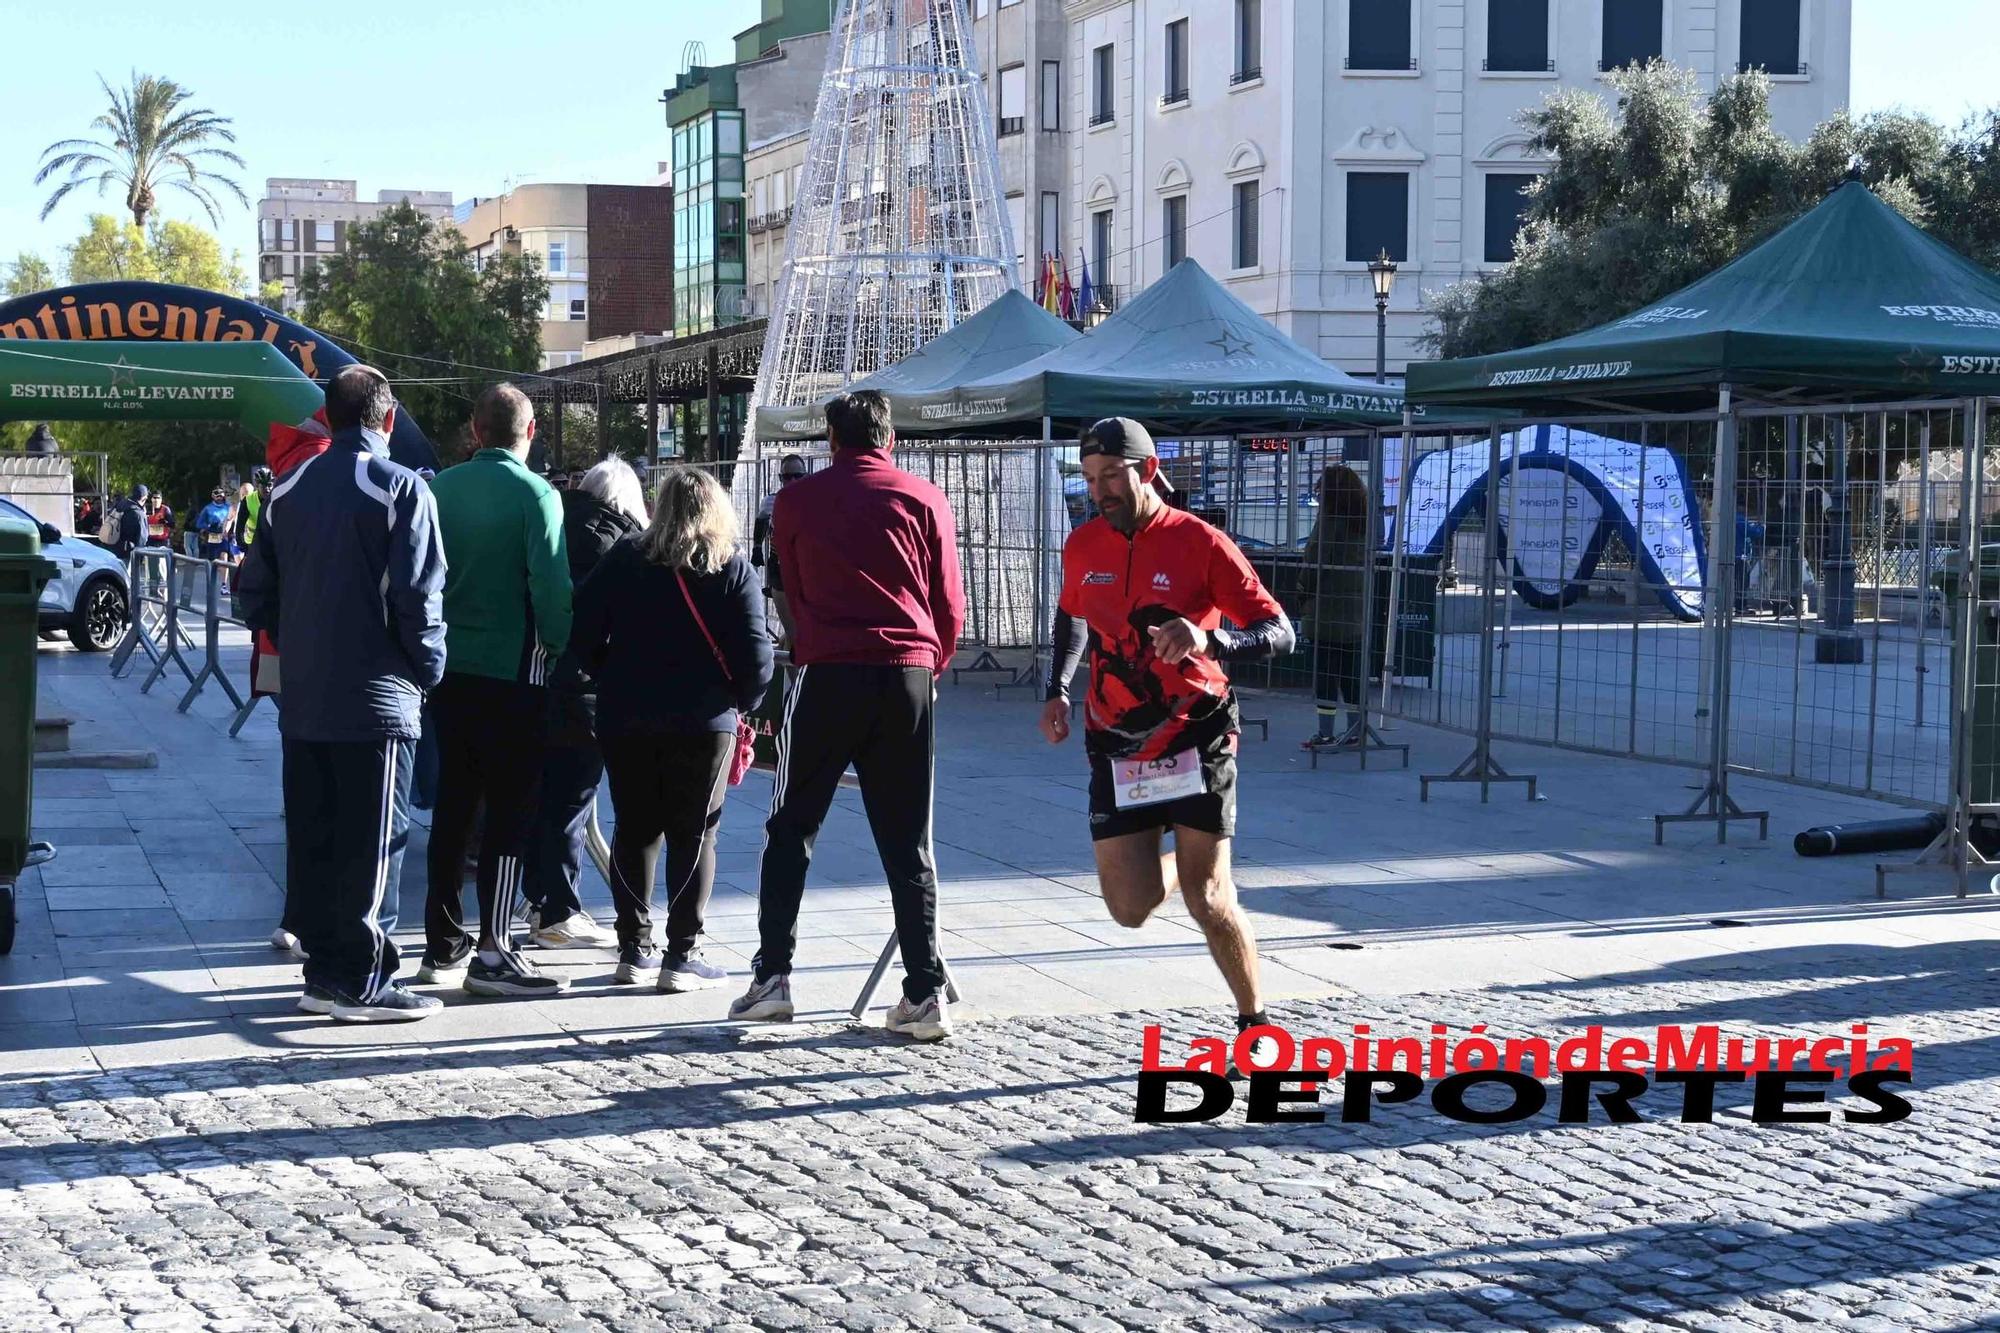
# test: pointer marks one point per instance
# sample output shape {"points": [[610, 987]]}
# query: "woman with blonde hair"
{"points": [[671, 625], [602, 508]]}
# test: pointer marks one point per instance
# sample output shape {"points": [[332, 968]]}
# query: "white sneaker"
{"points": [[577, 929], [443, 974], [285, 940], [691, 973], [765, 1002], [929, 1021]]}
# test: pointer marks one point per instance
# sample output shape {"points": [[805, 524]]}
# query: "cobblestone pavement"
{"points": [[825, 1177]]}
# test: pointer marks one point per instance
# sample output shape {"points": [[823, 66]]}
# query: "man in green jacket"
{"points": [[507, 616]]}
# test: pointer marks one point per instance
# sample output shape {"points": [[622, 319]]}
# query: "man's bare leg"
{"points": [[1133, 876], [1210, 895]]}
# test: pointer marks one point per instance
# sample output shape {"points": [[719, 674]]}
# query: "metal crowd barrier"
{"points": [[161, 583]]}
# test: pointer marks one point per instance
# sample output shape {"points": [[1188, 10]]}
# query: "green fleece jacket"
{"points": [[506, 585]]}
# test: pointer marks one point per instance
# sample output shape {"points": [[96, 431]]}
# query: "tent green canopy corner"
{"points": [[1008, 331], [1187, 357], [1850, 300], [250, 383]]}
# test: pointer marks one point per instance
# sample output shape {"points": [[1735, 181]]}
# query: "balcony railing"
{"points": [[1799, 69], [1012, 125], [1246, 74], [1347, 62], [1101, 118], [1174, 98], [1546, 67]]}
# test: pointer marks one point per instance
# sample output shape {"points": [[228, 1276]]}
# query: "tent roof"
{"points": [[1010, 330], [1850, 300], [1186, 357]]}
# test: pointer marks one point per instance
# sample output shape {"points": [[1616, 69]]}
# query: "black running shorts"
{"points": [[1211, 811]]}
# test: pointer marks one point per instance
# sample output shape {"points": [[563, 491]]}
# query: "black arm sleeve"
{"points": [[1266, 638], [1068, 639]]}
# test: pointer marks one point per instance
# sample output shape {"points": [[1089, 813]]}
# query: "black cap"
{"points": [[1117, 437]]}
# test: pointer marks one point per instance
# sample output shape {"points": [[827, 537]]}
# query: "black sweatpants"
{"points": [[665, 788], [347, 824], [1336, 678], [880, 719], [489, 735], [571, 769]]}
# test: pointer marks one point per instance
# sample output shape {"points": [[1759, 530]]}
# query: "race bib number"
{"points": [[1149, 781]]}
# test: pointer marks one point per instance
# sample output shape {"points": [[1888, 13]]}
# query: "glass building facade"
{"points": [[709, 209]]}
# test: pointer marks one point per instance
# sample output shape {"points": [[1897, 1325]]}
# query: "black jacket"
{"points": [[591, 528], [654, 670], [131, 527]]}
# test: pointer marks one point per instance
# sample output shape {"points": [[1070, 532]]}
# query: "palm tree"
{"points": [[149, 140]]}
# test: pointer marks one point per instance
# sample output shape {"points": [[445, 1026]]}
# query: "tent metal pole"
{"points": [[1632, 594], [1391, 651], [1952, 850], [1480, 766], [1508, 564], [1923, 562], [1715, 803]]}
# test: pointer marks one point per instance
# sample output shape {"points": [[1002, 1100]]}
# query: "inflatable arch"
{"points": [[251, 384], [1561, 494], [195, 329]]}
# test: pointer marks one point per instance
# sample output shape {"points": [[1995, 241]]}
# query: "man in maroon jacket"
{"points": [[870, 563]]}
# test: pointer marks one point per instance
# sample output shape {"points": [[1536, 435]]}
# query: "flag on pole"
{"points": [[1066, 294], [1051, 294], [1085, 296]]}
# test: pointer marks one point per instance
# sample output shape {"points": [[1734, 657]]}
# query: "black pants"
{"points": [[571, 769], [665, 788], [489, 735], [1336, 678], [347, 823], [880, 719]]}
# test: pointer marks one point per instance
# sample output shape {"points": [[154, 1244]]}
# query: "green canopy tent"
{"points": [[250, 383], [1186, 357], [1851, 301], [1008, 332]]}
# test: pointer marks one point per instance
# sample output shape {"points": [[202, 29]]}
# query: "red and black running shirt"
{"points": [[1175, 567]]}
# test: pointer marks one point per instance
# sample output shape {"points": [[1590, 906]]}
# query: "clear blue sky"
{"points": [[449, 94]]}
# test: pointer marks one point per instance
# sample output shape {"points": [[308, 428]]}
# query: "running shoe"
{"points": [[285, 940], [577, 929], [929, 1020], [690, 972], [512, 975], [316, 1000], [394, 1003], [765, 1002], [435, 973], [1263, 1055], [634, 962]]}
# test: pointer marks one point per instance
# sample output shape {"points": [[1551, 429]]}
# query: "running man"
{"points": [[1151, 585]]}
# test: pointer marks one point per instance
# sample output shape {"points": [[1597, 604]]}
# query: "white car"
{"points": [[87, 597]]}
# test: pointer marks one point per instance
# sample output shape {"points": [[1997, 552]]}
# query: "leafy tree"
{"points": [[271, 295], [624, 431], [405, 296], [170, 251], [150, 139], [112, 251], [28, 273], [1644, 199]]}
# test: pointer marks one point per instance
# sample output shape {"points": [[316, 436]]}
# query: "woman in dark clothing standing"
{"points": [[1333, 584], [667, 706], [605, 507]]}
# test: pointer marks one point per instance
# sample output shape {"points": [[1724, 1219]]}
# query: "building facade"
{"points": [[1030, 73], [301, 221], [1285, 143], [607, 251]]}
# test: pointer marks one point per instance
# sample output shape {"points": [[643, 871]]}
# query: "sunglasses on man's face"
{"points": [[791, 476]]}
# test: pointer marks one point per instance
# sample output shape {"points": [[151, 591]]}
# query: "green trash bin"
{"points": [[23, 575], [1985, 721]]}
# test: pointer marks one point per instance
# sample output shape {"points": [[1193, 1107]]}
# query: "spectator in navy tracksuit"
{"points": [[347, 575]]}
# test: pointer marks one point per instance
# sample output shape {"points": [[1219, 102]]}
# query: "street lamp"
{"points": [[1097, 314], [1382, 272]]}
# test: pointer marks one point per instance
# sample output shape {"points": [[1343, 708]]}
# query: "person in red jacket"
{"points": [[869, 556]]}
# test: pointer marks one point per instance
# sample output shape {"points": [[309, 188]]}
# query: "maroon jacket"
{"points": [[869, 555]]}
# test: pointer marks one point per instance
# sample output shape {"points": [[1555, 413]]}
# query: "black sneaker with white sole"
{"points": [[512, 975], [394, 1003], [636, 962], [316, 1000]]}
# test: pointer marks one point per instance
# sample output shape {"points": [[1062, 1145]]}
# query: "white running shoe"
{"points": [[577, 930], [765, 1002], [690, 973], [928, 1021], [443, 974], [285, 940]]}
